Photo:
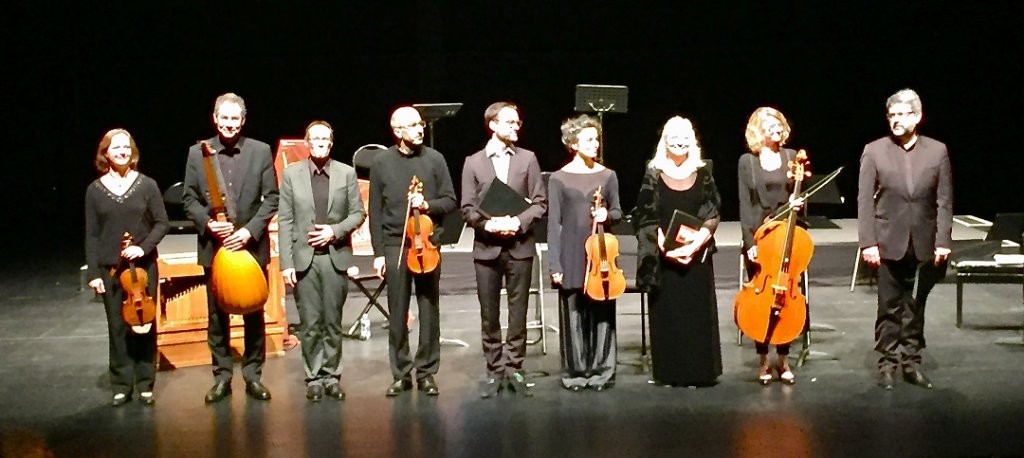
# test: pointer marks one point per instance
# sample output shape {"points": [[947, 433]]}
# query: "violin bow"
{"points": [[784, 210]]}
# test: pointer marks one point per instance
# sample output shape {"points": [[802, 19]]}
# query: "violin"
{"points": [[770, 308], [604, 280], [422, 256], [138, 307]]}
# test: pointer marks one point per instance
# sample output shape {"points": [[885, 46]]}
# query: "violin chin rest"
{"points": [[144, 329]]}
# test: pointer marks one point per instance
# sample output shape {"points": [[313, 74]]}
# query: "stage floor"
{"points": [[55, 395]]}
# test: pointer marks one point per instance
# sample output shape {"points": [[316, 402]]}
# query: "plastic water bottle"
{"points": [[364, 327]]}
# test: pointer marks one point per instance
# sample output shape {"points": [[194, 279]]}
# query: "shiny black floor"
{"points": [[54, 394]]}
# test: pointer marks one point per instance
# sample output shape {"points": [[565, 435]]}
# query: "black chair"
{"points": [[977, 264], [179, 223]]}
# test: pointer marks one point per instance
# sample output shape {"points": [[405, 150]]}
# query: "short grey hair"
{"points": [[230, 97], [907, 96], [572, 127]]}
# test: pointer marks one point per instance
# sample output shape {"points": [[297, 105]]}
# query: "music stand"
{"points": [[601, 99], [431, 112], [829, 194]]}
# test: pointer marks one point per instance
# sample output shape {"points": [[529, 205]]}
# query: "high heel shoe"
{"points": [[786, 376]]}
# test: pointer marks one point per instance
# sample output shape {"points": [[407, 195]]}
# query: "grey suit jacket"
{"points": [[296, 214], [257, 197], [890, 215], [524, 177]]}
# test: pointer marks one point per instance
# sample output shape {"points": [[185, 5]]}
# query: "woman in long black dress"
{"points": [[685, 346], [124, 200], [764, 188], [587, 327]]}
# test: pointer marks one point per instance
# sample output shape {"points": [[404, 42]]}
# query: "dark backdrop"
{"points": [[75, 71]]}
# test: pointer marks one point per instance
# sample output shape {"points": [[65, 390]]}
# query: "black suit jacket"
{"points": [[524, 177], [890, 215], [257, 197]]}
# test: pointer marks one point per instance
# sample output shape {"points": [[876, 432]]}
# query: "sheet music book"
{"points": [[502, 200], [682, 225]]}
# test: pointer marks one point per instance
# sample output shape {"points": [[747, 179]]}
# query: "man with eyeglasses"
{"points": [[319, 209], [904, 219], [390, 201], [503, 246]]}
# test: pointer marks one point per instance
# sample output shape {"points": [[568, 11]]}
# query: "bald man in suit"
{"points": [[904, 219]]}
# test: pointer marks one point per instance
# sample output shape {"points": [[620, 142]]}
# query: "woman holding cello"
{"points": [[587, 326], [124, 220], [764, 188], [685, 345]]}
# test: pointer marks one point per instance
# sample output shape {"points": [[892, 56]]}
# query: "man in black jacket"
{"points": [[250, 190], [390, 199], [905, 218]]}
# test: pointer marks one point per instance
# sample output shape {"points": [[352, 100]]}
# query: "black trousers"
{"points": [[132, 356], [320, 296], [587, 332], [899, 326], [503, 358], [428, 352], [218, 337]]}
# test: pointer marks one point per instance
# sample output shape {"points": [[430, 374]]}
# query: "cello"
{"points": [[770, 308], [604, 280], [422, 256], [237, 279], [138, 308]]}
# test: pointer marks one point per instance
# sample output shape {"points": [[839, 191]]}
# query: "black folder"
{"points": [[681, 223], [502, 200]]}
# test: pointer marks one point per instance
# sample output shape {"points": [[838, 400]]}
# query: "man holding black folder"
{"points": [[502, 196]]}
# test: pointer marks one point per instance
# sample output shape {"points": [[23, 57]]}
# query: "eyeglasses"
{"points": [[511, 122], [899, 114], [414, 125]]}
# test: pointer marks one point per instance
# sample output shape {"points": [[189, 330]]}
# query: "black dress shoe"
{"points": [[334, 391], [120, 399], [314, 393], [147, 398], [428, 386], [517, 382], [219, 391], [490, 387], [915, 377], [885, 381], [398, 387], [601, 387], [573, 388], [257, 391]]}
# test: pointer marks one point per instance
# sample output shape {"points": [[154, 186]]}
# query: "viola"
{"points": [[422, 256], [604, 280], [138, 308], [771, 308], [237, 279]]}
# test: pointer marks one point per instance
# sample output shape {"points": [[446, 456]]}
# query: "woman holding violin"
{"points": [[587, 326], [764, 188], [675, 260], [125, 219]]}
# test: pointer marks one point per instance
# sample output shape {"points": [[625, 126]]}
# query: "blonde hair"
{"points": [[755, 133], [661, 160]]}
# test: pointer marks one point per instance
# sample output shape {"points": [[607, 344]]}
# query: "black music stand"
{"points": [[625, 228], [601, 99], [431, 112], [829, 194]]}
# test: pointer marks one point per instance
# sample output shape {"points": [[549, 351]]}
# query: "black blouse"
{"points": [[647, 219], [139, 211], [761, 192]]}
